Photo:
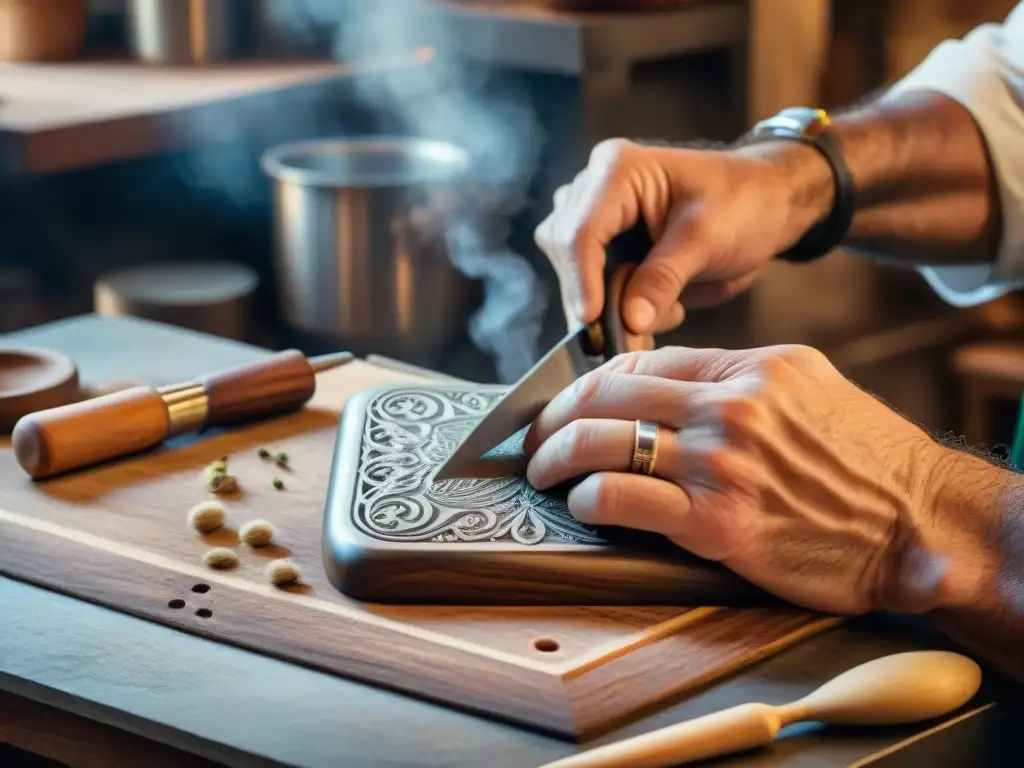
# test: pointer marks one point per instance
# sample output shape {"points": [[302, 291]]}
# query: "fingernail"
{"points": [[580, 308], [639, 314], [532, 478]]}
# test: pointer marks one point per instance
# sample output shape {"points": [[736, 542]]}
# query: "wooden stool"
{"points": [[213, 298], [988, 371]]}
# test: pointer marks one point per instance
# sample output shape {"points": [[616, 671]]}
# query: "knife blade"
{"points": [[493, 448]]}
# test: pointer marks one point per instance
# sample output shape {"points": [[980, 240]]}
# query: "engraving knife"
{"points": [[494, 447]]}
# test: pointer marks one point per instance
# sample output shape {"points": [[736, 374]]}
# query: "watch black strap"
{"points": [[830, 231]]}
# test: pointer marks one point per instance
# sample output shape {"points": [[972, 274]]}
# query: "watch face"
{"points": [[795, 121]]}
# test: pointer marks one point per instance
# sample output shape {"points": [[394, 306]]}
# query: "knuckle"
{"points": [[662, 278], [744, 417], [791, 362], [698, 228], [576, 438], [609, 150], [626, 362], [589, 387], [800, 355], [725, 467], [662, 358]]}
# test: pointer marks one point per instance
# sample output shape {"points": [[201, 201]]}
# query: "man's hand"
{"points": [[769, 461], [716, 218]]}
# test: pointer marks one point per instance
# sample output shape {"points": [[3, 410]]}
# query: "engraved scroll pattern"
{"points": [[408, 433]]}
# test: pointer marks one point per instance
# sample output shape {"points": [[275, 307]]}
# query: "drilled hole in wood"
{"points": [[204, 613], [201, 588], [176, 603], [545, 644]]}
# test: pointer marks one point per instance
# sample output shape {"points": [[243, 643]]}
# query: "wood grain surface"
{"points": [[116, 535], [33, 379]]}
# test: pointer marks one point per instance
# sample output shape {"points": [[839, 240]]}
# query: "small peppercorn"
{"points": [[263, 453], [278, 483], [281, 459]]}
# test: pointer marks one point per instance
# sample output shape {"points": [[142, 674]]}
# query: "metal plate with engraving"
{"points": [[394, 534]]}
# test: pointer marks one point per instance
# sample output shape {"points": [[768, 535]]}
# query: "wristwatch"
{"points": [[813, 127]]}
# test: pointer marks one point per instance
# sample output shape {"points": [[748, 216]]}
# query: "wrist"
{"points": [[949, 545], [802, 177]]}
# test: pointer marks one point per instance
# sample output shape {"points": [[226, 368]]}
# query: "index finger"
{"points": [[704, 364], [604, 394], [605, 208]]}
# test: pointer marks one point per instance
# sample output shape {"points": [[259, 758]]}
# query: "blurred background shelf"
{"points": [[107, 164], [63, 116]]}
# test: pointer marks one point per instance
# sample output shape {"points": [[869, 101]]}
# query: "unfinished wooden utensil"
{"points": [[68, 437], [33, 380], [893, 690]]}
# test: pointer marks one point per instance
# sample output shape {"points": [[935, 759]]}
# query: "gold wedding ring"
{"points": [[645, 448]]}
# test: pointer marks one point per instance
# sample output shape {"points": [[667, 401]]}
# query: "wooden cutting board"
{"points": [[117, 535]]}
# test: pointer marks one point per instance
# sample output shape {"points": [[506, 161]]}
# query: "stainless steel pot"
{"points": [[361, 257], [182, 32]]}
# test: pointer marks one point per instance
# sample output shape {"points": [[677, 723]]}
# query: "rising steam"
{"points": [[459, 102]]}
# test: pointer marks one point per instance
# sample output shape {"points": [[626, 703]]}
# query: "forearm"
{"points": [[925, 186], [974, 530]]}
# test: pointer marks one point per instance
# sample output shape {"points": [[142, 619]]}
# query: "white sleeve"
{"points": [[984, 71]]}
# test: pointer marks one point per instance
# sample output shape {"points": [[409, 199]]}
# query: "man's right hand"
{"points": [[717, 218]]}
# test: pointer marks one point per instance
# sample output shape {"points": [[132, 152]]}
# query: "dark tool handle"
{"points": [[608, 336]]}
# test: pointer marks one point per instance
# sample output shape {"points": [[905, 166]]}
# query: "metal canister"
{"points": [[190, 32], [361, 256]]}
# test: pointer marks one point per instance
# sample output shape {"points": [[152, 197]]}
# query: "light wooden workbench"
{"points": [[93, 687]]}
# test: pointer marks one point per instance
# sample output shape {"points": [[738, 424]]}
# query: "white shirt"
{"points": [[985, 72]]}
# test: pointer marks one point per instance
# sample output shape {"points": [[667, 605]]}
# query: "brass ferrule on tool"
{"points": [[188, 406], [79, 434]]}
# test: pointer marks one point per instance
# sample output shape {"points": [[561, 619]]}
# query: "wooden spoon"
{"points": [[893, 690]]}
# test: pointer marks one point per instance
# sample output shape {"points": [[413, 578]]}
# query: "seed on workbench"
{"points": [[278, 483], [219, 481], [207, 516], [283, 572], [221, 558], [281, 459], [263, 453], [257, 533]]}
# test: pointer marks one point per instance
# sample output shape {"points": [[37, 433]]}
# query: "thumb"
{"points": [[661, 277]]}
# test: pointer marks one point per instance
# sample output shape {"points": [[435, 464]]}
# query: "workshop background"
{"points": [[134, 174]]}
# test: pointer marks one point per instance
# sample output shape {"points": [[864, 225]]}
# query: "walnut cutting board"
{"points": [[116, 535]]}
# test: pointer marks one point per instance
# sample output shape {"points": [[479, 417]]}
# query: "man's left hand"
{"points": [[769, 461]]}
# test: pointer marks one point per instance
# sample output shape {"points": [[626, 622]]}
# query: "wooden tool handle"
{"points": [[283, 382], [79, 434], [731, 730], [618, 338]]}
